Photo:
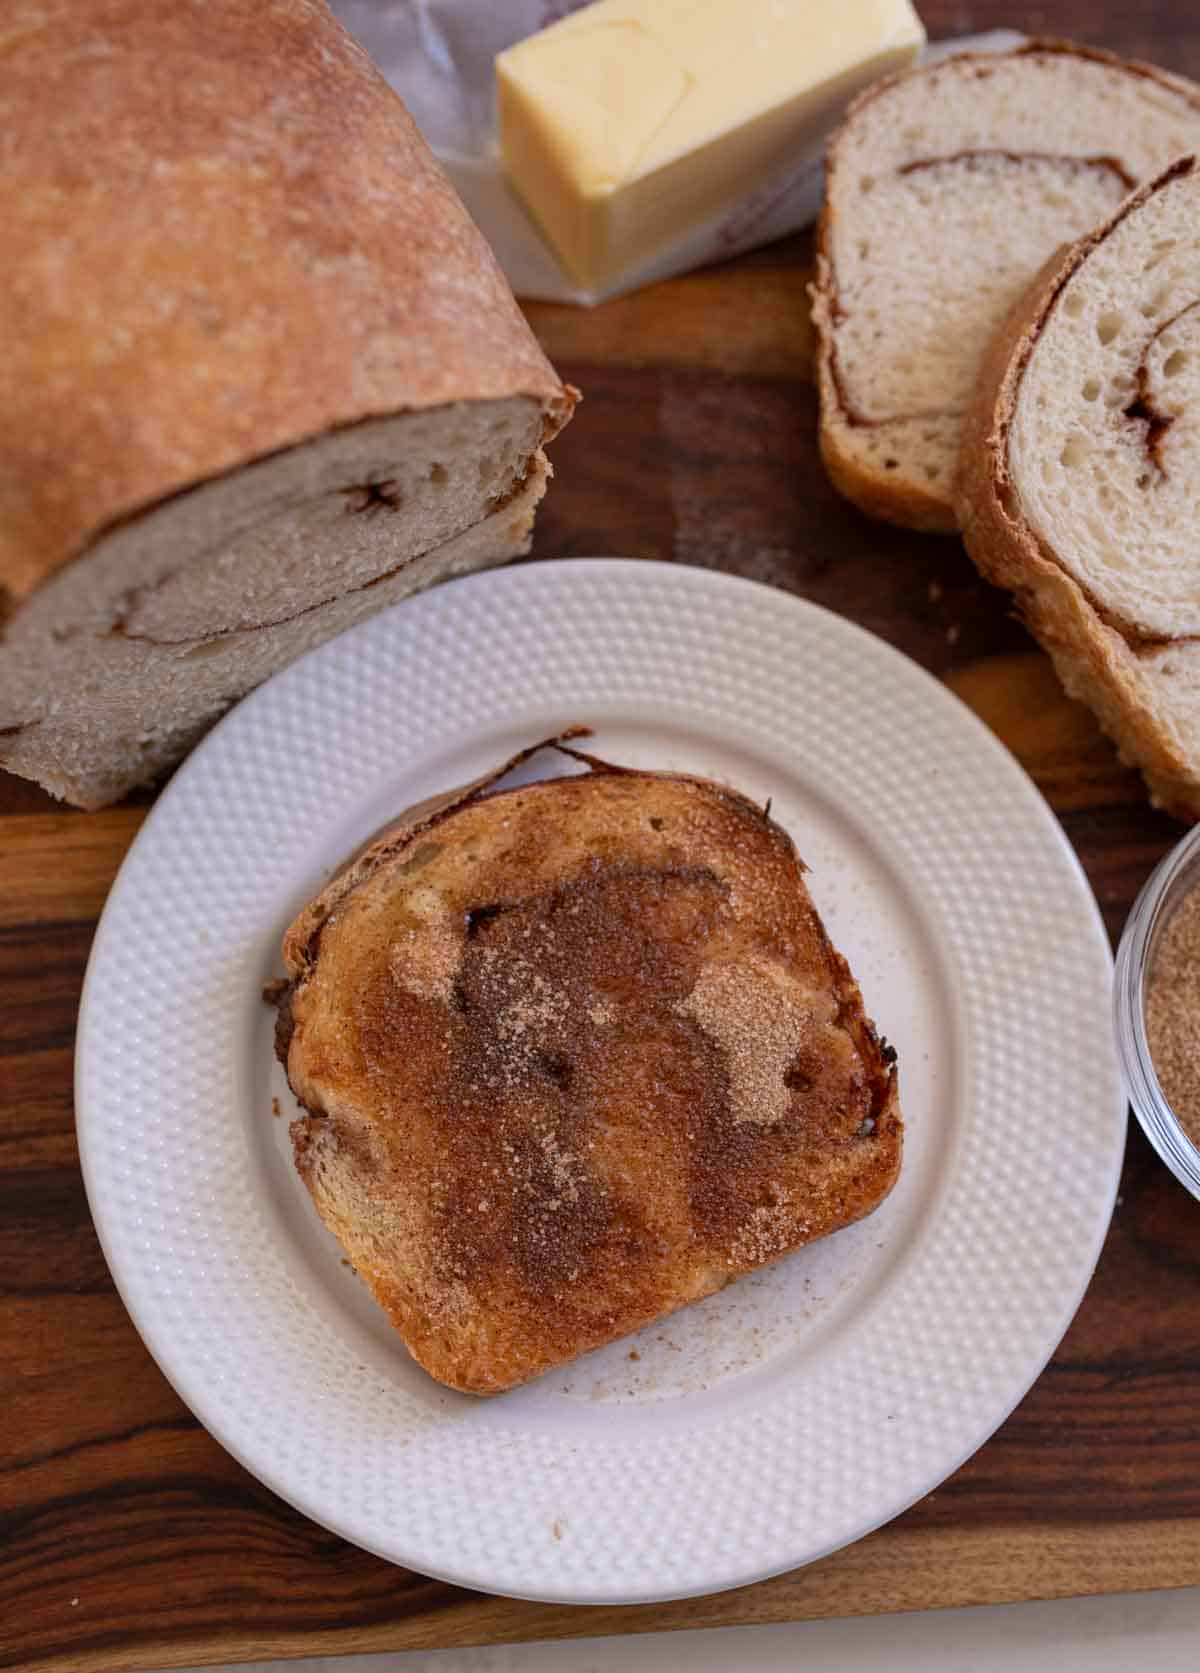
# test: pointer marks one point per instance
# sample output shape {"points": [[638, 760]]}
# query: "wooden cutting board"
{"points": [[129, 1539]]}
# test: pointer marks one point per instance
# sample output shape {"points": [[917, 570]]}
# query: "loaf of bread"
{"points": [[259, 372], [1080, 472], [946, 190], [572, 1056]]}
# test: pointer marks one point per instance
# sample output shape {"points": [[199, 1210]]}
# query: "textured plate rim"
{"points": [[1033, 810]]}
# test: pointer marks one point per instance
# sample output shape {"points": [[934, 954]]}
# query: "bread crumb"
{"points": [[556, 1529], [275, 1109], [952, 633], [634, 1354]]}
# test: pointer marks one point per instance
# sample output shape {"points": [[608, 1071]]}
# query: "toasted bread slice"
{"points": [[574, 1055], [1080, 466], [946, 190]]}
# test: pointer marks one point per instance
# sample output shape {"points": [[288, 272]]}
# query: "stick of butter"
{"points": [[631, 122]]}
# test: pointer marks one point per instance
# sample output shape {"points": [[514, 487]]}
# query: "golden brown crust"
{"points": [[577, 1054], [878, 493], [223, 235], [1095, 662], [303, 933]]}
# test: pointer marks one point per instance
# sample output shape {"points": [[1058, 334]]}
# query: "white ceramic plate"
{"points": [[803, 1406]]}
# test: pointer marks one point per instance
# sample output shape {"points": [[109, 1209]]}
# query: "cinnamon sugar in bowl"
{"points": [[1156, 1003]]}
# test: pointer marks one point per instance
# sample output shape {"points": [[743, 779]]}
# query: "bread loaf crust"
{"points": [[1095, 661], [224, 235]]}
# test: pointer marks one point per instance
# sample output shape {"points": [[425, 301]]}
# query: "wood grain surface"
{"points": [[129, 1539]]}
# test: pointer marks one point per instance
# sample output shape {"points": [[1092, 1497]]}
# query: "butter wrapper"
{"points": [[439, 57]]}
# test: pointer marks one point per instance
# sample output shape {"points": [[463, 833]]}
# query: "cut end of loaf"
{"points": [[121, 662]]}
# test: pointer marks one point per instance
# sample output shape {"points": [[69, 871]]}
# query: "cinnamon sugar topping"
{"points": [[425, 953], [600, 1058], [1173, 1013], [750, 1010]]}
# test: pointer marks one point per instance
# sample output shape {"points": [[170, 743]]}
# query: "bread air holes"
{"points": [[1073, 305], [438, 475], [1074, 453], [1108, 327], [1175, 363], [1091, 389]]}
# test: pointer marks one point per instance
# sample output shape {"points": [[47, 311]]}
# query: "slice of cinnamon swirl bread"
{"points": [[1081, 470], [575, 1055]]}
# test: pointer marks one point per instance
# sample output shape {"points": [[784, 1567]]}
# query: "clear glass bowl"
{"points": [[1166, 886]]}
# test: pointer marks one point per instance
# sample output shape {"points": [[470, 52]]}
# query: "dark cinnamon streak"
{"points": [[1143, 408], [1058, 158]]}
